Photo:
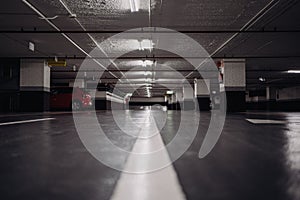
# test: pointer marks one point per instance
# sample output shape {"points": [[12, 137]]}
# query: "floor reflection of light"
{"points": [[293, 153], [293, 148], [139, 183]]}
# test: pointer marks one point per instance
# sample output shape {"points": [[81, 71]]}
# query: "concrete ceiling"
{"points": [[215, 24]]}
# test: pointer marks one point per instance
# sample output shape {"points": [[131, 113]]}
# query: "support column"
{"points": [[34, 86], [188, 98], [202, 93], [171, 100], [174, 101], [235, 84], [179, 99], [271, 98]]}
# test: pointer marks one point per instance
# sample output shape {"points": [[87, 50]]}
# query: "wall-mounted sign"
{"points": [[59, 63]]}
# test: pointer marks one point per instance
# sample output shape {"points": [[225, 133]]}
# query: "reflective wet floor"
{"points": [[256, 157]]}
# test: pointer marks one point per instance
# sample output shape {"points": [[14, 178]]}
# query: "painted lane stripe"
{"points": [[266, 121], [159, 185], [26, 121]]}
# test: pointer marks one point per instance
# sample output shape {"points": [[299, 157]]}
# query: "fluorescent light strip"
{"points": [[64, 35], [252, 21], [294, 71], [134, 5], [146, 44], [90, 36]]}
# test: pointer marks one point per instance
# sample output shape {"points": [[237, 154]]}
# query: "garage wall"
{"points": [[9, 85]]}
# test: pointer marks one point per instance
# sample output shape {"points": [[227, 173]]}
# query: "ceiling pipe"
{"points": [[84, 29], [248, 25], [63, 34], [93, 39]]}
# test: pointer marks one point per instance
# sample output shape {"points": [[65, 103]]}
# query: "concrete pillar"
{"points": [[234, 80], [188, 97], [271, 95], [34, 86], [179, 99], [202, 93], [171, 101]]}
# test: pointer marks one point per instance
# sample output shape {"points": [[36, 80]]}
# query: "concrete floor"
{"points": [[46, 159]]}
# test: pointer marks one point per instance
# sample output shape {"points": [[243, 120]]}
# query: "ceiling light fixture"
{"points": [[262, 79], [170, 92], [146, 45], [293, 71], [31, 46], [147, 63], [134, 5]]}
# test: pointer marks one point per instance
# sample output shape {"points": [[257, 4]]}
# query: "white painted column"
{"points": [[188, 97], [203, 93], [34, 76], [34, 85], [235, 83]]}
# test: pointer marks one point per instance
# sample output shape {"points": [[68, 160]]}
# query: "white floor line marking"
{"points": [[26, 121], [159, 185], [266, 121]]}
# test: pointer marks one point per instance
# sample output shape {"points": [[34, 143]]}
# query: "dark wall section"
{"points": [[174, 106], [100, 104], [9, 101], [9, 85], [9, 74], [204, 103], [236, 101], [286, 105], [34, 101]]}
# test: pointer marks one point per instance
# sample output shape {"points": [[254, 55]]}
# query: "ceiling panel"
{"points": [[195, 16]]}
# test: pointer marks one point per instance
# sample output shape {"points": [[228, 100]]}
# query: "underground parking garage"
{"points": [[152, 99]]}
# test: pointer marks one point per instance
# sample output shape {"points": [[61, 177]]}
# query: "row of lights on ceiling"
{"points": [[262, 79]]}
